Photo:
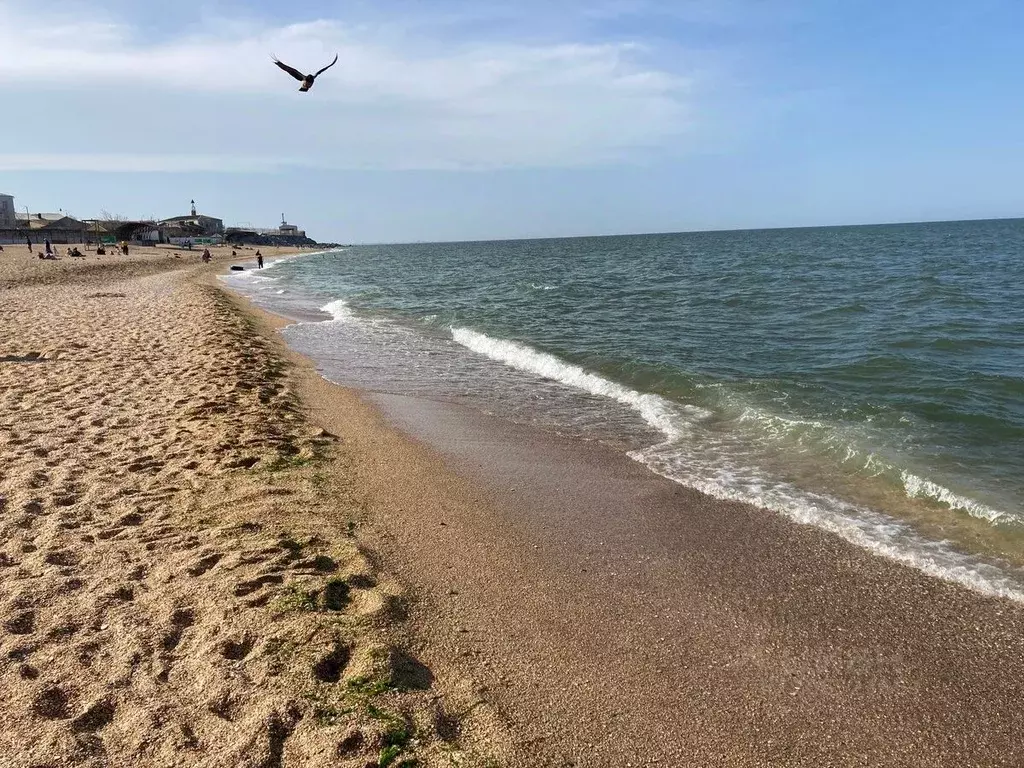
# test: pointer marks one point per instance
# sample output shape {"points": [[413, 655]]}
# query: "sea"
{"points": [[867, 380]]}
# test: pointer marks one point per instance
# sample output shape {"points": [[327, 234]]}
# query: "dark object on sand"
{"points": [[306, 80], [237, 268]]}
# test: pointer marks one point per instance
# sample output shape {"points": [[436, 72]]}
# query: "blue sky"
{"points": [[465, 120]]}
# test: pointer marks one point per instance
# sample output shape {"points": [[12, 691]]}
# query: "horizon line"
{"points": [[684, 231]]}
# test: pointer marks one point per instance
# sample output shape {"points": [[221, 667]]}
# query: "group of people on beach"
{"points": [[49, 252]]}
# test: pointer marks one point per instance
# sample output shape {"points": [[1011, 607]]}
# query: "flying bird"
{"points": [[306, 80]]}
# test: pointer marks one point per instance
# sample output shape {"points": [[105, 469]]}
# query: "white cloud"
{"points": [[391, 102]]}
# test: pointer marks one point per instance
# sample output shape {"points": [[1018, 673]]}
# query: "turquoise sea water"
{"points": [[868, 380]]}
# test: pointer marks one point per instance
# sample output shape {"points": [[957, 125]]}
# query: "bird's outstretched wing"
{"points": [[290, 70], [328, 66]]}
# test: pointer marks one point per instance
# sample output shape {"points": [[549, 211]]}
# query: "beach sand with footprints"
{"points": [[181, 576]]}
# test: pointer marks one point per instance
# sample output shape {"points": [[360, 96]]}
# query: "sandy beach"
{"points": [[19, 266], [181, 571], [212, 556]]}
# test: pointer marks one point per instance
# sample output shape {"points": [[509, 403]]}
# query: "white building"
{"points": [[197, 224], [7, 219], [289, 229]]}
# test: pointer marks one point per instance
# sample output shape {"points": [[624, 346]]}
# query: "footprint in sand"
{"points": [[204, 564], [53, 703], [124, 594], [65, 499], [22, 623], [328, 668], [63, 631], [62, 557], [96, 716], [237, 649], [33, 507], [28, 672], [181, 619], [248, 587], [86, 653], [67, 586], [132, 518]]}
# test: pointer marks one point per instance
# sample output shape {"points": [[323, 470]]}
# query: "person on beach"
{"points": [[49, 250], [206, 256], [28, 242], [259, 259]]}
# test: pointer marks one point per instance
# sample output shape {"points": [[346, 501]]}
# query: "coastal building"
{"points": [[55, 227], [196, 224], [101, 230], [284, 234], [289, 229], [50, 221], [142, 232], [7, 218]]}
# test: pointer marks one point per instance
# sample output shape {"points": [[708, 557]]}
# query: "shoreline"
{"points": [[883, 516], [512, 597], [810, 648]]}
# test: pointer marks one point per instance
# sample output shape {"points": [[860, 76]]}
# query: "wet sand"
{"points": [[624, 620], [617, 618]]}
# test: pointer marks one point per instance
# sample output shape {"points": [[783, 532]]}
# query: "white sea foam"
{"points": [[252, 274], [290, 257], [919, 487], [865, 528], [673, 421], [916, 487], [706, 464], [339, 310]]}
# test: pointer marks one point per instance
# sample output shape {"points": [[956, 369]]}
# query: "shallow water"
{"points": [[869, 380]]}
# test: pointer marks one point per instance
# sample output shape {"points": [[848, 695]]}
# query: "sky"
{"points": [[488, 119]]}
